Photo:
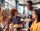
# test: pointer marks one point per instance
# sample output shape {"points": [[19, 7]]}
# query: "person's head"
{"points": [[29, 4], [14, 12], [4, 14], [36, 14]]}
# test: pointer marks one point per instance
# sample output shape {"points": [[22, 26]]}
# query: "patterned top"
{"points": [[16, 20]]}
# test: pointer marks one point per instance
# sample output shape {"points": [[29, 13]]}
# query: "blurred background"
{"points": [[19, 4]]}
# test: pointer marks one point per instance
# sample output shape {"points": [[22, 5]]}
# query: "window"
{"points": [[12, 2], [20, 9], [5, 3]]}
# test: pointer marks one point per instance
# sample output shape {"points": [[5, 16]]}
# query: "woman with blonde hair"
{"points": [[6, 20]]}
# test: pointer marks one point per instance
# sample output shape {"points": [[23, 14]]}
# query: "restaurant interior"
{"points": [[19, 7]]}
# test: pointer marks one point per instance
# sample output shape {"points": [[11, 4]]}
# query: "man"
{"points": [[28, 12]]}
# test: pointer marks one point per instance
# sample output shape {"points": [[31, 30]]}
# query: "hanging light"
{"points": [[5, 3]]}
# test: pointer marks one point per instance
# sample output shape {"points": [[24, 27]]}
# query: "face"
{"points": [[4, 13], [34, 15], [28, 5], [15, 14]]}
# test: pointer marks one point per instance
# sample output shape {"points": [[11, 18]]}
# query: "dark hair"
{"points": [[38, 14], [29, 2], [13, 11]]}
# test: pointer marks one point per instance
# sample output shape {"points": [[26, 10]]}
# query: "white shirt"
{"points": [[28, 12]]}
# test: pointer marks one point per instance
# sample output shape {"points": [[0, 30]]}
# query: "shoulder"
{"points": [[34, 24], [38, 28], [38, 23], [18, 17]]}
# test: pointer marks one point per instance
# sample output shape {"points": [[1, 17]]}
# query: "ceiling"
{"points": [[24, 1]]}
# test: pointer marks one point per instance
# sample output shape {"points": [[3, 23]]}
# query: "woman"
{"points": [[1, 17], [38, 28], [15, 18], [35, 20], [6, 20]]}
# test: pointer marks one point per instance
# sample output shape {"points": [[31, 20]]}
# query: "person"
{"points": [[1, 17], [15, 18], [35, 21], [29, 10], [5, 19]]}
